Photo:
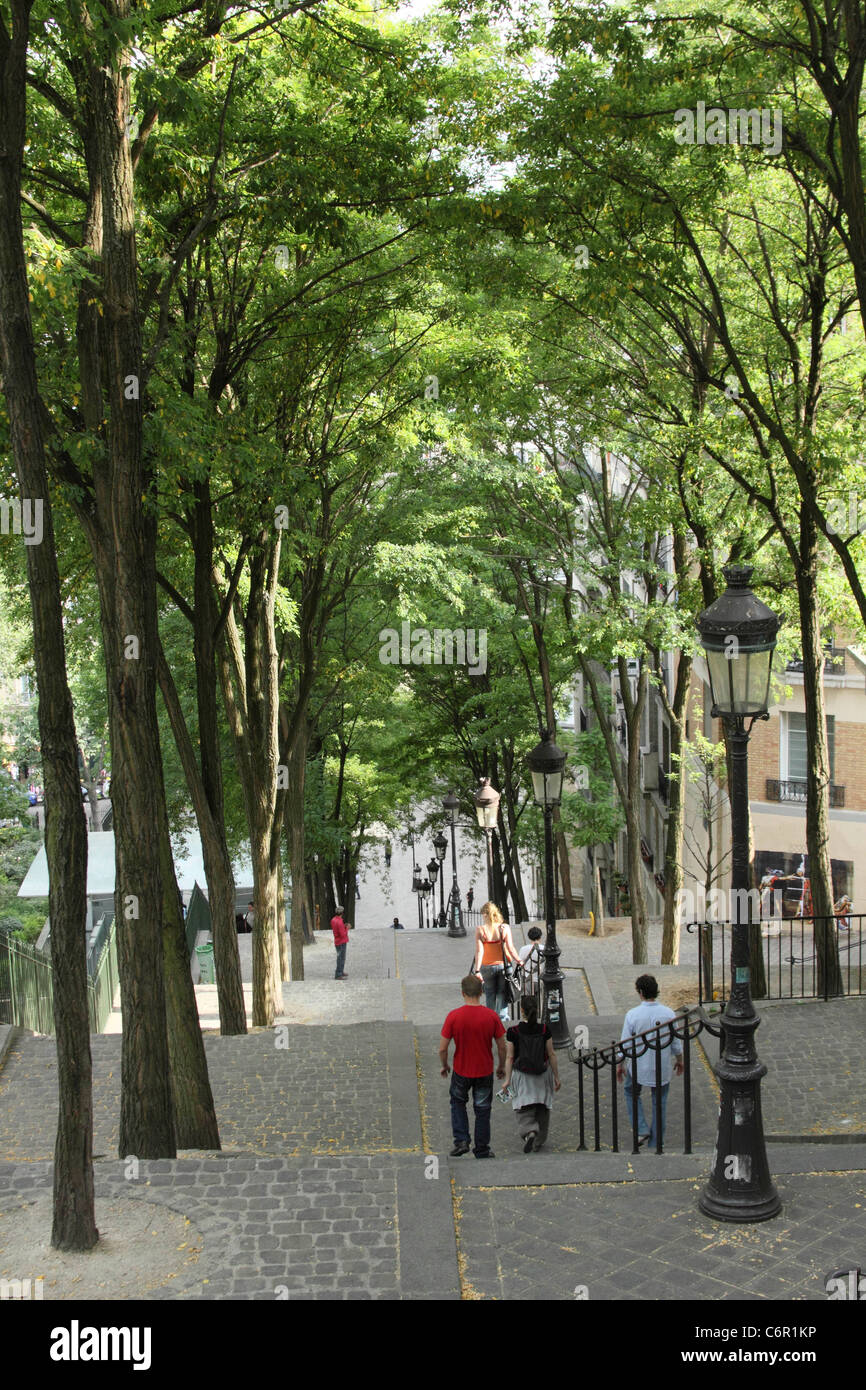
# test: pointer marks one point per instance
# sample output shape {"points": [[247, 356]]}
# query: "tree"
{"points": [[74, 1226]]}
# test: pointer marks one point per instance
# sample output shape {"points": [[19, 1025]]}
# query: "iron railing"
{"points": [[97, 942], [794, 967], [687, 1026], [795, 790], [27, 985], [834, 662], [102, 988]]}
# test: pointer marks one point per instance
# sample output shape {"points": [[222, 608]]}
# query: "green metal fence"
{"points": [[27, 985], [102, 987]]}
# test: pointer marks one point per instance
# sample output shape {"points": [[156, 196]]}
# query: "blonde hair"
{"points": [[492, 913]]}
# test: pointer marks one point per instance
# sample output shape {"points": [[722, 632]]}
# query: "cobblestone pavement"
{"points": [[648, 1240], [311, 1228], [285, 1091]]}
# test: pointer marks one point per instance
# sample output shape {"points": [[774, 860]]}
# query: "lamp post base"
{"points": [[740, 1187]]}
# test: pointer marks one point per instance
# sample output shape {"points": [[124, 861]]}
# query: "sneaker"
{"points": [[529, 1143], [642, 1139], [485, 1153], [459, 1150]]}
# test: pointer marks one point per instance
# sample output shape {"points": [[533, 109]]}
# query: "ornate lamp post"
{"points": [[487, 810], [455, 912], [738, 634], [424, 895], [546, 763], [440, 846], [416, 888], [433, 874]]}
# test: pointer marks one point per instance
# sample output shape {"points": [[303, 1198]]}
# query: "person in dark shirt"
{"points": [[529, 1045]]}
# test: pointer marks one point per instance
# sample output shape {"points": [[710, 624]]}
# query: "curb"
{"points": [[9, 1034]]}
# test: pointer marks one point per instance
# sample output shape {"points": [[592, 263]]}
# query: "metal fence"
{"points": [[98, 938], [794, 967], [27, 984], [102, 987], [592, 1062]]}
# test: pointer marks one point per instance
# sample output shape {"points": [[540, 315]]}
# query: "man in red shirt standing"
{"points": [[341, 940], [473, 1028]]}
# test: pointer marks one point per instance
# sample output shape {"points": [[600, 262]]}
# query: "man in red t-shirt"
{"points": [[341, 940], [473, 1028]]}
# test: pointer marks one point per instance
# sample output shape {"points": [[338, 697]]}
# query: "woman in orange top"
{"points": [[493, 947]]}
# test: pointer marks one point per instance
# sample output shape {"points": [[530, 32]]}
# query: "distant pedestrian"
{"points": [[532, 958], [250, 917], [531, 1074], [493, 950], [470, 898], [357, 888], [397, 925], [388, 853], [649, 1013], [473, 1028], [341, 941]]}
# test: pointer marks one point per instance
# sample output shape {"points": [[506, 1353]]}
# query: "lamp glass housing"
{"points": [[440, 845], [740, 683]]}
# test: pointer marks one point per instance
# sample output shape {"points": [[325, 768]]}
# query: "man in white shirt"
{"points": [[649, 1013]]}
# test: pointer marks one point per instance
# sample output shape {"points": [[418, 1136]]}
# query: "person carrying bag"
{"points": [[494, 956], [531, 1074]]}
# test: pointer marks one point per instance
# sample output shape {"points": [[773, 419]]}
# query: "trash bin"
{"points": [[205, 964]]}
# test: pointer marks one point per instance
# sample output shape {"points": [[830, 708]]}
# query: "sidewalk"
{"points": [[334, 1180]]}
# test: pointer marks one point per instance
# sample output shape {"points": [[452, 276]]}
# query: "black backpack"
{"points": [[532, 1053]]}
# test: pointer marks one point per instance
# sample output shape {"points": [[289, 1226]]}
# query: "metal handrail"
{"points": [[688, 1025], [794, 969]]}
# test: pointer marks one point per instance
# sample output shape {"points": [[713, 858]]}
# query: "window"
{"points": [[797, 747]]}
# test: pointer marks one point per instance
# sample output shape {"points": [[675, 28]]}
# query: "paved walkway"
{"points": [[334, 1180]]}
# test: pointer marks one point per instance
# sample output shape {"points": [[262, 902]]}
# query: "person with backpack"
{"points": [[531, 1074]]}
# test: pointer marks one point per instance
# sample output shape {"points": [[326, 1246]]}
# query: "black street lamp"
{"points": [[433, 874], [455, 911], [738, 634], [424, 895], [546, 763], [440, 847], [416, 888], [487, 810]]}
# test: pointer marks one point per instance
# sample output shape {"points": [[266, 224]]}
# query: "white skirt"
{"points": [[531, 1089]]}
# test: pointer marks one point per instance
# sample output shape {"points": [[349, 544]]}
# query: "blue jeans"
{"points": [[341, 960], [632, 1099], [494, 989], [482, 1103]]}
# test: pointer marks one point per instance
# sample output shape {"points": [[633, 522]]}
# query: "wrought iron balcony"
{"points": [[834, 662], [796, 791]]}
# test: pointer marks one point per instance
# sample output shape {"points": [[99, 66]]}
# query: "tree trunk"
{"points": [[122, 534], [217, 860], [285, 971], [597, 900], [673, 863], [194, 1113], [217, 867], [817, 768], [297, 768], [74, 1226]]}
